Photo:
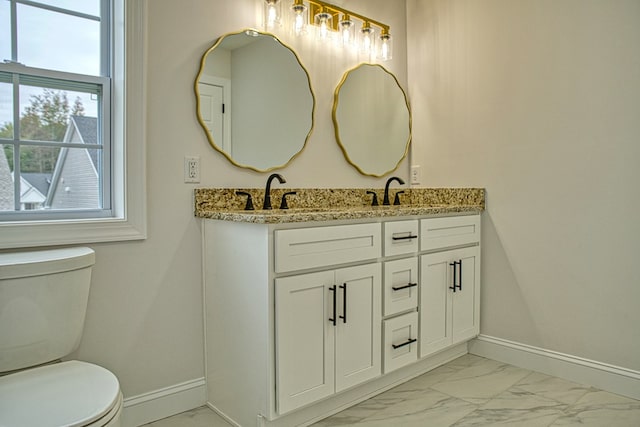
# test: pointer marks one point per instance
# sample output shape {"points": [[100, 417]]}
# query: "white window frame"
{"points": [[128, 150]]}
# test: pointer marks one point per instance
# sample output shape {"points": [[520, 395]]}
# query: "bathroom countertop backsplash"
{"points": [[312, 204]]}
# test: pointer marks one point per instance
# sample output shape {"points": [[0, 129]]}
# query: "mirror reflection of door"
{"points": [[215, 109], [272, 102]]}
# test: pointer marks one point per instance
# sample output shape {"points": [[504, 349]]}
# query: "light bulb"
{"points": [[367, 41], [271, 14], [385, 46], [299, 24], [346, 30], [324, 32], [323, 21], [299, 18]]}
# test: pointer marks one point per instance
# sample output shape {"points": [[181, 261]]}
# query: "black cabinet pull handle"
{"points": [[455, 275], [404, 237], [460, 275], [344, 302], [409, 341], [408, 285], [333, 319]]}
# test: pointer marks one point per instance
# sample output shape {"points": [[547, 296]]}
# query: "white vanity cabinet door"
{"points": [[448, 317], [304, 339], [400, 285], [466, 301], [358, 335], [316, 355]]}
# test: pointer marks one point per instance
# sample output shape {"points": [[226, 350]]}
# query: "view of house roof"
{"points": [[40, 181], [77, 168], [88, 129]]}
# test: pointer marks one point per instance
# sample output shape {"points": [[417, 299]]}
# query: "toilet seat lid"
{"points": [[70, 394]]}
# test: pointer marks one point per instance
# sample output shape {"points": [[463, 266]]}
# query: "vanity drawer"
{"points": [[400, 285], [436, 233], [400, 237], [302, 248], [400, 341]]}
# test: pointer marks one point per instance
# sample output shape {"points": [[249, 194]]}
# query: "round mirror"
{"points": [[372, 120], [254, 100]]}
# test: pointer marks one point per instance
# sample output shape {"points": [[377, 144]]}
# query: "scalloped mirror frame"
{"points": [[339, 140], [208, 134]]}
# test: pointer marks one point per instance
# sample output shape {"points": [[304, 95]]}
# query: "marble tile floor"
{"points": [[470, 391]]}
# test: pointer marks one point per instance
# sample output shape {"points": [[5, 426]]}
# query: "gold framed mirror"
{"points": [[372, 119], [254, 100]]}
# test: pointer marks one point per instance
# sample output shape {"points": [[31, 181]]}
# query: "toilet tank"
{"points": [[43, 301]]}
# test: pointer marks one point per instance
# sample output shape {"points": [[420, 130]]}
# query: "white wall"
{"points": [[539, 102], [267, 86], [144, 318]]}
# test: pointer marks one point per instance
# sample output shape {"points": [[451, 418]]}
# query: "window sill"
{"points": [[22, 235]]}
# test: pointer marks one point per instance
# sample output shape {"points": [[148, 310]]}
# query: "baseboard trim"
{"points": [[607, 377], [162, 403]]}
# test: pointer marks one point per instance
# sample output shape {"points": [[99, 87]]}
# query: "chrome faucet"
{"points": [[267, 190], [385, 201]]}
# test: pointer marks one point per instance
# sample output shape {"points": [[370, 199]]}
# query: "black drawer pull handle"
{"points": [[409, 341], [344, 302], [404, 237], [409, 285], [333, 319], [457, 275]]}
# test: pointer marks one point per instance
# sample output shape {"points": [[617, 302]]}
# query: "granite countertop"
{"points": [[334, 204]]}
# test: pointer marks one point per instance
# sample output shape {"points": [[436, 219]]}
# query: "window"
{"points": [[66, 144]]}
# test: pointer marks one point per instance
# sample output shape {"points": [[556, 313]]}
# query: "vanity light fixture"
{"points": [[347, 31], [367, 39], [333, 23], [385, 46], [323, 20], [272, 14], [300, 17]]}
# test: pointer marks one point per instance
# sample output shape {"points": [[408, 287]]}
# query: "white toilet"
{"points": [[43, 301]]}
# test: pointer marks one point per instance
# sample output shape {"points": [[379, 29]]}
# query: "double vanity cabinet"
{"points": [[305, 319]]}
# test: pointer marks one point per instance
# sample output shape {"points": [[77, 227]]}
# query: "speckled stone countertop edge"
{"points": [[309, 205], [291, 216]]}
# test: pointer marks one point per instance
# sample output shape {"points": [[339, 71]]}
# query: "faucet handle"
{"points": [[374, 201], [249, 205], [396, 200], [283, 203]]}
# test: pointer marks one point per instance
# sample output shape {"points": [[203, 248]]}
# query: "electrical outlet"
{"points": [[191, 169], [416, 175]]}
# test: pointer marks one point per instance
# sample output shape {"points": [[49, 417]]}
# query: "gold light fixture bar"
{"points": [[316, 7]]}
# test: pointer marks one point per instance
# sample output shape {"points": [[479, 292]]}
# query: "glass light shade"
{"points": [[347, 32], [367, 41], [385, 52], [299, 21], [323, 24], [272, 14]]}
